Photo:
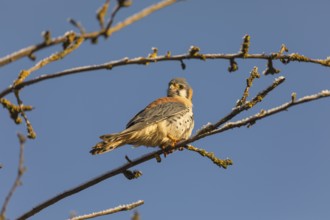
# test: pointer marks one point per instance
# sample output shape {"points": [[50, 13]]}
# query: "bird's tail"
{"points": [[110, 142]]}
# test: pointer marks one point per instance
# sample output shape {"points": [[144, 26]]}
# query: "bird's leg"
{"points": [[174, 142], [163, 147]]}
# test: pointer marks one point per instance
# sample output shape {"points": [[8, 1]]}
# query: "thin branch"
{"points": [[31, 133], [112, 18], [237, 110], [15, 110], [92, 182], [91, 35], [266, 113], [77, 25], [138, 16], [17, 182], [156, 154], [101, 12], [219, 162], [54, 57], [110, 211], [146, 60], [254, 74]]}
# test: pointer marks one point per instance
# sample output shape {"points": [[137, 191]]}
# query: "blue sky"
{"points": [[281, 164]]}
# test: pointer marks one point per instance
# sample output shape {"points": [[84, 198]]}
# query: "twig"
{"points": [[138, 16], [77, 25], [14, 110], [156, 153], [31, 132], [101, 12], [112, 18], [270, 68], [254, 74], [17, 182], [91, 35], [110, 211], [219, 162]]}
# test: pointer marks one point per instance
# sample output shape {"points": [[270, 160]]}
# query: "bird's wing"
{"points": [[156, 113]]}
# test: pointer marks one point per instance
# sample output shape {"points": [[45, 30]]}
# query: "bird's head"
{"points": [[179, 87]]}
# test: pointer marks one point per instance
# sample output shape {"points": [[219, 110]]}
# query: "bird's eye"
{"points": [[181, 86]]}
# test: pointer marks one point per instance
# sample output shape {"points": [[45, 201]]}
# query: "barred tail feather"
{"points": [[109, 143]]}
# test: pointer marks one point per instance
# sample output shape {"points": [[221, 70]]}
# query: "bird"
{"points": [[164, 122]]}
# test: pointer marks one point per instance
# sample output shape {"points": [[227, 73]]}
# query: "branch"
{"points": [[266, 113], [31, 132], [254, 74], [92, 182], [155, 154], [112, 17], [14, 110], [17, 182], [72, 45], [237, 110], [138, 16], [110, 211], [101, 12], [219, 162], [77, 25], [146, 60], [91, 35]]}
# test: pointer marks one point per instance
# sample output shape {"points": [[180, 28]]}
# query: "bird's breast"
{"points": [[181, 125]]}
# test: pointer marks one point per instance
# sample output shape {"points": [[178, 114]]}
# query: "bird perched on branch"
{"points": [[164, 122]]}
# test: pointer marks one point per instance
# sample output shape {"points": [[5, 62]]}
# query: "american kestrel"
{"points": [[164, 122]]}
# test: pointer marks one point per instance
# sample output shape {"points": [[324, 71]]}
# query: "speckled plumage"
{"points": [[162, 123]]}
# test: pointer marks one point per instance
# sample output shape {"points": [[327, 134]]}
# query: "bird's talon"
{"points": [[174, 140]]}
